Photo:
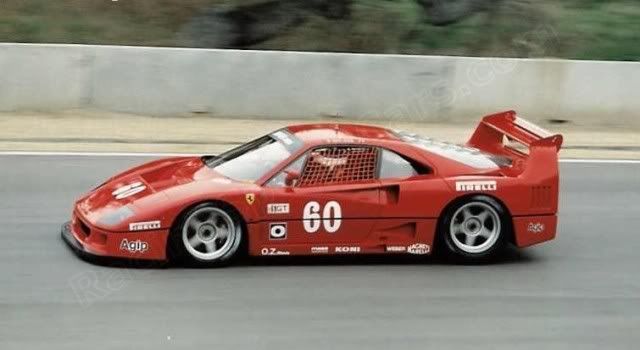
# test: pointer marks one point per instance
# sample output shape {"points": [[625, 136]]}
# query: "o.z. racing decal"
{"points": [[273, 251], [330, 218]]}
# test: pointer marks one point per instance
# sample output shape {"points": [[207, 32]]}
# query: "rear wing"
{"points": [[509, 135], [532, 149]]}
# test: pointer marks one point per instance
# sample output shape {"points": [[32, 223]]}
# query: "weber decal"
{"points": [[147, 225], [396, 249], [473, 186]]}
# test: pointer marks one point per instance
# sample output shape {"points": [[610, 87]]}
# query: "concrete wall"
{"points": [[172, 81]]}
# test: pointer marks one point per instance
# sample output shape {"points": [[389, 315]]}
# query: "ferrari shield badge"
{"points": [[250, 197]]}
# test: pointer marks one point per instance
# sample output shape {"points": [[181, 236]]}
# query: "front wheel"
{"points": [[475, 229], [208, 234]]}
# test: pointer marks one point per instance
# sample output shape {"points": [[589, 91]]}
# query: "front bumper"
{"points": [[67, 236], [90, 242]]}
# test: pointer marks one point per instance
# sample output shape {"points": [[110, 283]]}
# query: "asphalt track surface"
{"points": [[581, 291]]}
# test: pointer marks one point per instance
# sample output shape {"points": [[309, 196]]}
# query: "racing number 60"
{"points": [[330, 219]]}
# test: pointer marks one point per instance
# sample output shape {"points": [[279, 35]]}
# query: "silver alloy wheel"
{"points": [[475, 227], [209, 233]]}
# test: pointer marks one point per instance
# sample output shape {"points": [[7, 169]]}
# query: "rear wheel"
{"points": [[208, 234], [475, 229]]}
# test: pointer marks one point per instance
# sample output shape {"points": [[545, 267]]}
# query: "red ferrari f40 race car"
{"points": [[331, 189]]}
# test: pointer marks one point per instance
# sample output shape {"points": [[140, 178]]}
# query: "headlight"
{"points": [[115, 217]]}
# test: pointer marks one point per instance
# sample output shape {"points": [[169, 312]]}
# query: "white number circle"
{"points": [[311, 217], [331, 217]]}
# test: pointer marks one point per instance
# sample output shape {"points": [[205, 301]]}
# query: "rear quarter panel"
{"points": [[521, 197]]}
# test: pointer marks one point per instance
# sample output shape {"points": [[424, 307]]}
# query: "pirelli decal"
{"points": [[476, 186]]}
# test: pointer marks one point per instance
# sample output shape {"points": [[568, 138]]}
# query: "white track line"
{"points": [[135, 154], [601, 161], [95, 154]]}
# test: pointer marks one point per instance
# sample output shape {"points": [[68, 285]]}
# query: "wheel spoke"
{"points": [[193, 224], [483, 216], [210, 246], [210, 217], [194, 241], [213, 224], [475, 227], [466, 213], [486, 233], [222, 233], [470, 240]]}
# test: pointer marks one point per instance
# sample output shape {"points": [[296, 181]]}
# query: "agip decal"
{"points": [[137, 246]]}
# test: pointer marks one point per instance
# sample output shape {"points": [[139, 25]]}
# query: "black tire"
{"points": [[474, 238], [227, 243]]}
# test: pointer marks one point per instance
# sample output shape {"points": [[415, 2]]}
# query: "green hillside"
{"points": [[579, 29]]}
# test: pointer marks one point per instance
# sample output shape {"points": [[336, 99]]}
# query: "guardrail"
{"points": [[275, 84]]}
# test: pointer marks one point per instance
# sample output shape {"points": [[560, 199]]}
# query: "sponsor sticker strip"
{"points": [[471, 186], [396, 249], [146, 225], [320, 250], [419, 249], [278, 208], [347, 249]]}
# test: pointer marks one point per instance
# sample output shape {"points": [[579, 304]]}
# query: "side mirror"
{"points": [[291, 178]]}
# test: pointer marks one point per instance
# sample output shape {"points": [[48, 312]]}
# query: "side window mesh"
{"points": [[339, 165]]}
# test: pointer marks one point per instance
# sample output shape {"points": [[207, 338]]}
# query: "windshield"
{"points": [[254, 159], [466, 155]]}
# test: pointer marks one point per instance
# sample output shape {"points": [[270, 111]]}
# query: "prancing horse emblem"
{"points": [[250, 197]]}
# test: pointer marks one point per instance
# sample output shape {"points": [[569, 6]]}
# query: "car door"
{"points": [[412, 197], [334, 200]]}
